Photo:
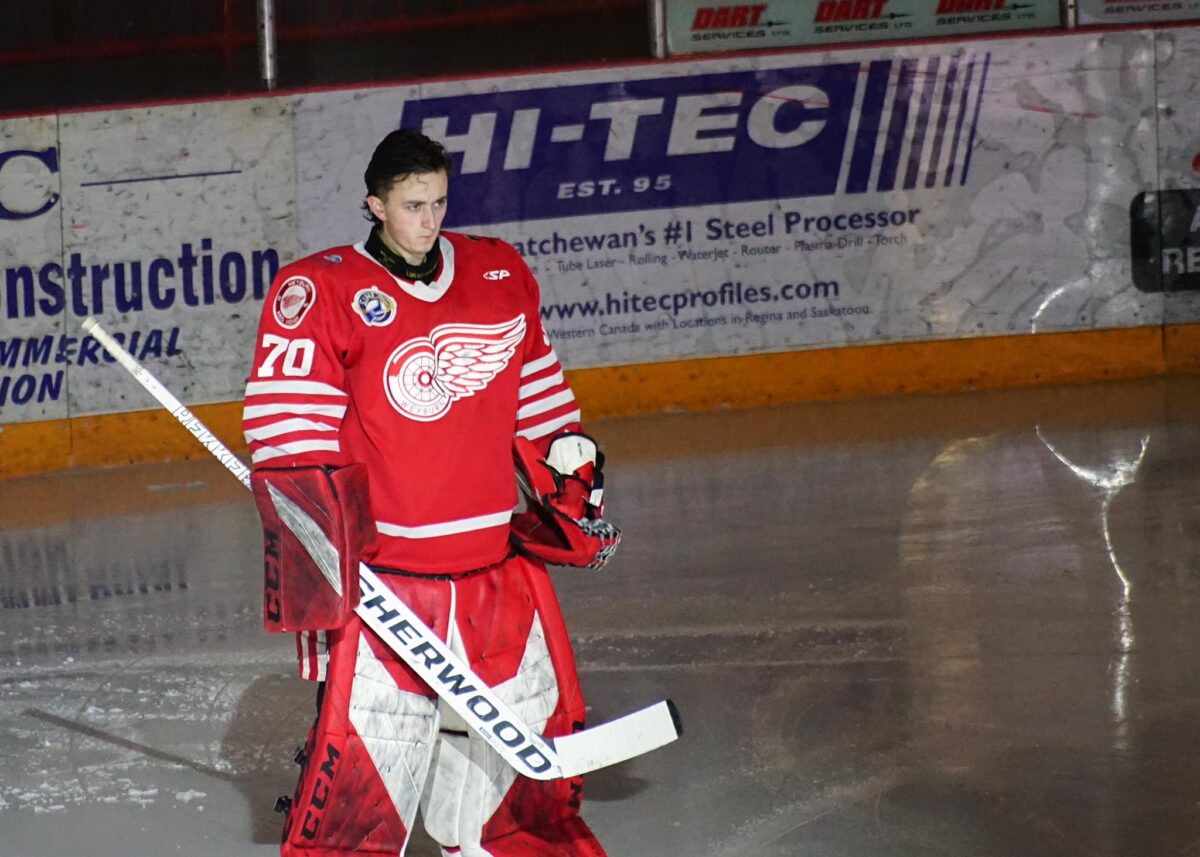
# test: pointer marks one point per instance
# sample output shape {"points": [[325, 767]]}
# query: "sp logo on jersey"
{"points": [[498, 274], [293, 300], [426, 375], [374, 307]]}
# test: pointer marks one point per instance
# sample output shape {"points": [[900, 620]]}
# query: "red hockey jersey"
{"points": [[426, 384]]}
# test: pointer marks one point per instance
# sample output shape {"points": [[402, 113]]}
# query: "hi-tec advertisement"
{"points": [[780, 202], [771, 133]]}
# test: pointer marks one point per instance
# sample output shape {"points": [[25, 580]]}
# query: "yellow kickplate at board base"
{"points": [[111, 439], [993, 362]]}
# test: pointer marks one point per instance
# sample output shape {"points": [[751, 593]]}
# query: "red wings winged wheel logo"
{"points": [[426, 375]]}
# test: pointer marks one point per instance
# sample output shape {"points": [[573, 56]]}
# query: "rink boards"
{"points": [[730, 231]]}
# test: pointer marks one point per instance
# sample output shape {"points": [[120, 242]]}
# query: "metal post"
{"points": [[266, 42], [1071, 14], [227, 33], [656, 9]]}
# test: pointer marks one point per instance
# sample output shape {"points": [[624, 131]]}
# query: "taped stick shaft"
{"points": [[165, 398]]}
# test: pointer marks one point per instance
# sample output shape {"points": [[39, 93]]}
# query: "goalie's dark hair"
{"points": [[401, 154]]}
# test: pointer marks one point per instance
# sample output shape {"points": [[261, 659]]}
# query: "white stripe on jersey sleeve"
{"points": [[535, 387], [274, 429], [296, 447], [535, 366], [543, 429], [253, 412], [540, 406], [309, 388]]}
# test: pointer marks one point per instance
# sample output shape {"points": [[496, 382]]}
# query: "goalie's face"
{"points": [[412, 212]]}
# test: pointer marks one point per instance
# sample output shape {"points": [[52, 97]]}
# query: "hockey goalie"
{"points": [[396, 385]]}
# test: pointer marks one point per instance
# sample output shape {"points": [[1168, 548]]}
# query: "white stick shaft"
{"points": [[176, 408], [429, 656]]}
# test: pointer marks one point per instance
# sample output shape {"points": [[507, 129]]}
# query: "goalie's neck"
{"points": [[425, 271]]}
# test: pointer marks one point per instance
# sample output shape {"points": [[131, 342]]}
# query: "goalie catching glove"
{"points": [[316, 525], [563, 523]]}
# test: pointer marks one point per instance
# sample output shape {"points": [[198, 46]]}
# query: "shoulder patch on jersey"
{"points": [[374, 307], [293, 301]]}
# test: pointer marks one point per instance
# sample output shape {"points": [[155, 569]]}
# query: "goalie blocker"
{"points": [[316, 526]]}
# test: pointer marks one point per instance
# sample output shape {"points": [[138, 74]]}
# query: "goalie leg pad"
{"points": [[316, 526], [365, 759], [510, 626]]}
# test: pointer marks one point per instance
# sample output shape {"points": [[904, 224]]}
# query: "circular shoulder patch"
{"points": [[294, 298], [374, 307]]}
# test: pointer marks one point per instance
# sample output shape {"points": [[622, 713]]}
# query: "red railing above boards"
{"points": [[74, 30]]}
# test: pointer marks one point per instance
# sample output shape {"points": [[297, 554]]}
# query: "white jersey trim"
{"points": [[253, 412], [294, 448], [534, 366], [535, 387], [446, 528], [547, 404], [312, 664], [286, 427], [432, 292], [543, 429], [307, 388]]}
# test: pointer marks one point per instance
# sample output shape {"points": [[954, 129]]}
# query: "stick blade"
{"points": [[618, 740]]}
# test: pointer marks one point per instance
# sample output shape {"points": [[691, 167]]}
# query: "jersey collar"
{"points": [[428, 292]]}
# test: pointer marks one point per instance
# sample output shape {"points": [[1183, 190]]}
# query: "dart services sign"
{"points": [[701, 26]]}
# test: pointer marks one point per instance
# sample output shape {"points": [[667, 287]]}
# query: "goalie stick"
{"points": [[402, 631]]}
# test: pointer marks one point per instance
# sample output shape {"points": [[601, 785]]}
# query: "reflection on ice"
{"points": [[1119, 473]]}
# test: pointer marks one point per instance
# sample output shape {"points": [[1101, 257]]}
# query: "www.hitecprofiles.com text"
{"points": [[729, 295]]}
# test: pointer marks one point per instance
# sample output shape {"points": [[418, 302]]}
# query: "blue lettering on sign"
{"points": [[48, 157], [198, 276], [703, 139]]}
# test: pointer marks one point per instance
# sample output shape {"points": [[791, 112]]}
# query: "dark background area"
{"points": [[59, 54]]}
